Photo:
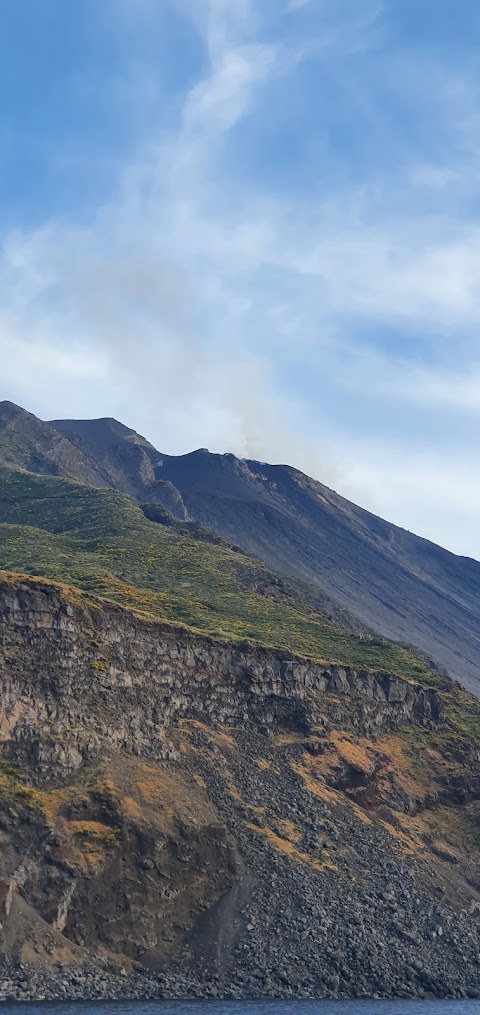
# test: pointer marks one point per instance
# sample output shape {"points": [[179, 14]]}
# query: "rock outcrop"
{"points": [[225, 820], [64, 661], [390, 580]]}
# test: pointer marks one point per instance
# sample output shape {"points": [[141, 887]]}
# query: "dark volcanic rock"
{"points": [[392, 581], [182, 817]]}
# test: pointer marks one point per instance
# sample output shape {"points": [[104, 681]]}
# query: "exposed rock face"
{"points": [[168, 497], [240, 821], [63, 663], [27, 442], [397, 584]]}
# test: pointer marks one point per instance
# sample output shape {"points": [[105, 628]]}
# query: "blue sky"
{"points": [[253, 227]]}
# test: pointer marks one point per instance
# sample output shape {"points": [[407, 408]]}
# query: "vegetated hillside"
{"points": [[394, 582], [400, 585], [239, 821], [102, 542]]}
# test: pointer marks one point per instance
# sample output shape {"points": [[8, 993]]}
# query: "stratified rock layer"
{"points": [[65, 661], [235, 819]]}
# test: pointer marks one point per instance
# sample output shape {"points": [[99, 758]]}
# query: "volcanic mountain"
{"points": [[218, 776], [339, 556]]}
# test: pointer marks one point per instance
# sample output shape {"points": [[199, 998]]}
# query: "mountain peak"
{"points": [[10, 410], [97, 431], [392, 581]]}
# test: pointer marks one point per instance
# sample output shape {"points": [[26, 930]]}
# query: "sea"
{"points": [[243, 1008]]}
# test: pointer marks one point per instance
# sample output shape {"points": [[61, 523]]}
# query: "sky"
{"points": [[253, 226]]}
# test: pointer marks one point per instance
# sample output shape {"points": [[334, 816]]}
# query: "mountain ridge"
{"points": [[104, 542], [400, 585], [215, 780]]}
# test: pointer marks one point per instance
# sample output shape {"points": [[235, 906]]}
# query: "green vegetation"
{"points": [[14, 789], [447, 752], [101, 542], [463, 713]]}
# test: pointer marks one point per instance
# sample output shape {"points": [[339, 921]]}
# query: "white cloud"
{"points": [[215, 105], [206, 310]]}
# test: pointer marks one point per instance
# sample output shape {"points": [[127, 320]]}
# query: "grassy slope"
{"points": [[101, 542]]}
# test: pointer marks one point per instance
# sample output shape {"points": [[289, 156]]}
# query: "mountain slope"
{"points": [[29, 443], [235, 819], [101, 542], [399, 584], [394, 582], [219, 790]]}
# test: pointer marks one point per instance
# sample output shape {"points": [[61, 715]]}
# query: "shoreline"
{"points": [[89, 984]]}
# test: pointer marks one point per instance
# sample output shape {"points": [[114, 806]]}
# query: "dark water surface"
{"points": [[243, 1008]]}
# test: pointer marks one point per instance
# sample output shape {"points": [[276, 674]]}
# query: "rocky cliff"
{"points": [[65, 660], [342, 558], [226, 820]]}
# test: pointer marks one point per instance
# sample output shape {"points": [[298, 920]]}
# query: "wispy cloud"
{"points": [[243, 293]]}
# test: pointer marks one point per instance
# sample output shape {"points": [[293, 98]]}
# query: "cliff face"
{"points": [[65, 663], [397, 584], [244, 820]]}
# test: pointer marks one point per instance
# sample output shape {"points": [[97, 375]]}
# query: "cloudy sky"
{"points": [[253, 226]]}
